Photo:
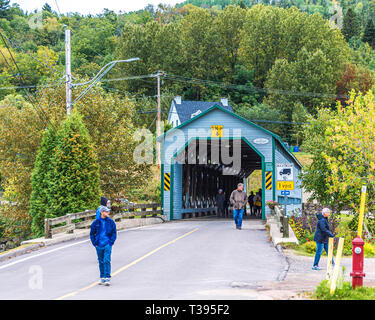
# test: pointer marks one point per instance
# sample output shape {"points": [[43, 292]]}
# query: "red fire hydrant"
{"points": [[357, 268]]}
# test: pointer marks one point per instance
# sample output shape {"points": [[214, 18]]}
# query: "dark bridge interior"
{"points": [[206, 169]]}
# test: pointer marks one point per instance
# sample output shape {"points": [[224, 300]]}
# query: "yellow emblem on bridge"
{"points": [[216, 131]]}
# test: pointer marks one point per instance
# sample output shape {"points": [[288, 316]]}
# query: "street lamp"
{"points": [[103, 71]]}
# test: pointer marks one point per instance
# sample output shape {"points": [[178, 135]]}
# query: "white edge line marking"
{"points": [[60, 248]]}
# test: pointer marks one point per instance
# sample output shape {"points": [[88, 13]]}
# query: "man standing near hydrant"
{"points": [[103, 235], [321, 236], [238, 200]]}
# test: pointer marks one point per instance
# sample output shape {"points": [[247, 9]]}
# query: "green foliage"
{"points": [[308, 247], [351, 25], [39, 181], [341, 145], [369, 33], [369, 250], [347, 292], [298, 229], [73, 178], [261, 112]]}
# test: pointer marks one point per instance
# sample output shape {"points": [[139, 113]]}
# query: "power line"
{"points": [[5, 59], [58, 9], [21, 76], [251, 88], [32, 57], [114, 79]]}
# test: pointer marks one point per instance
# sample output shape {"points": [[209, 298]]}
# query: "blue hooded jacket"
{"points": [[322, 232], [110, 230]]}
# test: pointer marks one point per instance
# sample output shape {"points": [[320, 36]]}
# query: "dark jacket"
{"points": [[220, 200], [322, 232], [250, 199], [110, 227]]}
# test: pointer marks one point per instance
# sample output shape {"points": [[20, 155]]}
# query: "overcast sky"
{"points": [[90, 6]]}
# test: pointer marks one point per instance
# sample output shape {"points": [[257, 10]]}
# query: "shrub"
{"points": [[73, 178], [297, 226], [322, 292], [369, 250], [308, 246], [39, 182]]}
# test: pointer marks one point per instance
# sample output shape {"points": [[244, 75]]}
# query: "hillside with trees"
{"points": [[277, 62]]}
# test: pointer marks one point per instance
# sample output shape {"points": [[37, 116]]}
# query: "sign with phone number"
{"points": [[285, 185]]}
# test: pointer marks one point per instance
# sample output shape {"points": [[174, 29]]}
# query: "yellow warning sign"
{"points": [[167, 181], [285, 185], [216, 131], [268, 180]]}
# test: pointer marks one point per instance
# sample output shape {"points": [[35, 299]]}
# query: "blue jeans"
{"points": [[319, 251], [104, 258], [237, 216]]}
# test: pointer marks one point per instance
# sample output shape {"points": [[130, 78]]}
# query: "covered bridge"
{"points": [[217, 149]]}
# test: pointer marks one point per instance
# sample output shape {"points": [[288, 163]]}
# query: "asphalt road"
{"points": [[205, 259]]}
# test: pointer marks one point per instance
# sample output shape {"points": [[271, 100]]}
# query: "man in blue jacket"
{"points": [[321, 236], [103, 235]]}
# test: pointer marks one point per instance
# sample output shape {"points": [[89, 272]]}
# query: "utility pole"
{"points": [[158, 132], [68, 73]]}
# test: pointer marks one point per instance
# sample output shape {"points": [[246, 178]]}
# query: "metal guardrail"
{"points": [[69, 223]]}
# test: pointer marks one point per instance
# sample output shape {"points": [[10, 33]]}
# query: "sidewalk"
{"points": [[300, 279]]}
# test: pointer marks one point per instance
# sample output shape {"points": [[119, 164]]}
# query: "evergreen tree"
{"points": [[47, 7], [369, 35], [39, 183], [351, 25], [73, 178], [4, 8]]}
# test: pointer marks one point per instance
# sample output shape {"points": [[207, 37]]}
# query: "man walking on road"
{"points": [[238, 200], [103, 235], [220, 203], [321, 236]]}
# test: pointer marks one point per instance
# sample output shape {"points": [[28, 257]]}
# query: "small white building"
{"points": [[183, 110]]}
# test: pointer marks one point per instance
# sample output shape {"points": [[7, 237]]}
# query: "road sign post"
{"points": [[285, 181]]}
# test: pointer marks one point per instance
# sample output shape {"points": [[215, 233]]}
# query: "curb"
{"points": [[283, 274], [17, 252]]}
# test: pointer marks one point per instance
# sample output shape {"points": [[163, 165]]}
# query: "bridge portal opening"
{"points": [[212, 164]]}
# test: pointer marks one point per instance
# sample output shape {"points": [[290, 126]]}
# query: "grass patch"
{"points": [[304, 158], [322, 292], [289, 245]]}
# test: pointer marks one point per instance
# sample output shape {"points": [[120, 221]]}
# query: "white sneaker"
{"points": [[107, 282], [102, 281]]}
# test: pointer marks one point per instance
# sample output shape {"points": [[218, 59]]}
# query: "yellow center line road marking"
{"points": [[128, 265]]}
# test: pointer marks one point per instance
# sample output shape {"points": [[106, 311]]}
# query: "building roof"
{"points": [[220, 107], [187, 108]]}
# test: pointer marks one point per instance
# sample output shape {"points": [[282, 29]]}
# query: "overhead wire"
{"points": [[23, 79], [250, 88]]}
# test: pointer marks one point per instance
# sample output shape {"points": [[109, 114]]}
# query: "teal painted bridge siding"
{"points": [[283, 158], [234, 127]]}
